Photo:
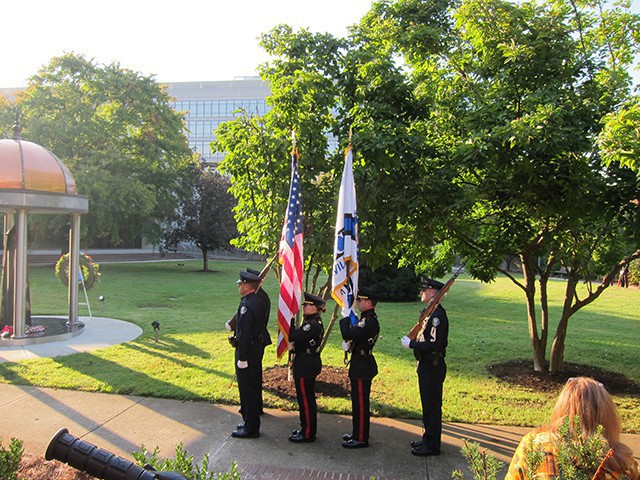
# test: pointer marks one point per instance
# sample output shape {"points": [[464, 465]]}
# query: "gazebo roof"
{"points": [[33, 178], [29, 166]]}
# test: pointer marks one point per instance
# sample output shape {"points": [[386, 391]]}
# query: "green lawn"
{"points": [[193, 359]]}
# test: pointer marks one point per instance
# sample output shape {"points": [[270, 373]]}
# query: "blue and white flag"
{"points": [[345, 253]]}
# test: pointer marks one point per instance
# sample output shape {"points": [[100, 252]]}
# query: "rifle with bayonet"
{"points": [[419, 327]]}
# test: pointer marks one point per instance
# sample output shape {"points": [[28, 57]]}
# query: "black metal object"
{"points": [[99, 463]]}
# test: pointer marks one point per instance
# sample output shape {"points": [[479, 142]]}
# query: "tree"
{"points": [[515, 104], [620, 137], [206, 217], [117, 133], [301, 76], [475, 127]]}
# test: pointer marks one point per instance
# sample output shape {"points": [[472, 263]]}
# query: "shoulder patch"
{"points": [[436, 322], [361, 323], [306, 327], [243, 310]]}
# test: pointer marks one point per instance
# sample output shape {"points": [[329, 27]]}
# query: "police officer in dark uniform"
{"points": [[266, 337], [249, 350], [429, 348], [305, 343], [360, 340]]}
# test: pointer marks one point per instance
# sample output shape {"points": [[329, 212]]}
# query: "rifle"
{"points": [[419, 327], [263, 275]]}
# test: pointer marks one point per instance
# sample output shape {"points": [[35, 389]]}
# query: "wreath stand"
{"points": [[86, 297]]}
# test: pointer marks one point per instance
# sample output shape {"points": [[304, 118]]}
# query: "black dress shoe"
{"points": [[346, 437], [423, 451], [300, 438], [417, 443], [354, 444], [242, 433]]}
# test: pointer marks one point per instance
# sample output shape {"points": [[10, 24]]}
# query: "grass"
{"points": [[193, 360]]}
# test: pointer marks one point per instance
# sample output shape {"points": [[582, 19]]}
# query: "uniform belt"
{"points": [[363, 352], [310, 350]]}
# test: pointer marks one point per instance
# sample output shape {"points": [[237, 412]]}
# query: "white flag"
{"points": [[345, 252]]}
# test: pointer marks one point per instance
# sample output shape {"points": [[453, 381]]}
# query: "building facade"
{"points": [[208, 104]]}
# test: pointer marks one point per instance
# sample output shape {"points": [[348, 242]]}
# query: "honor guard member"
{"points": [[429, 348], [249, 350], [305, 342], [266, 338], [360, 340]]}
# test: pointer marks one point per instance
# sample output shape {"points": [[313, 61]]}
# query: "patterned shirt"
{"points": [[548, 469]]}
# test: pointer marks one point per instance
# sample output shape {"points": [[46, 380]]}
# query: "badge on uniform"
{"points": [[436, 322], [306, 327], [361, 323], [243, 310]]}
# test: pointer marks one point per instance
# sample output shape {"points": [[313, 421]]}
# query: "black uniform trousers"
{"points": [[250, 389], [306, 393], [430, 380], [360, 403]]}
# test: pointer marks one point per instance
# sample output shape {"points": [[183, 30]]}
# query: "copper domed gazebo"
{"points": [[34, 180]]}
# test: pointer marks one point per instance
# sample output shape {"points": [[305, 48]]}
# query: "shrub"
{"points": [[10, 459], [184, 465]]}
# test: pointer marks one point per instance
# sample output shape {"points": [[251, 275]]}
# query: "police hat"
{"points": [[248, 277], [426, 282], [255, 272], [310, 299], [364, 292]]}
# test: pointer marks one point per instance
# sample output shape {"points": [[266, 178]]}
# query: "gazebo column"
{"points": [[20, 298], [74, 270]]}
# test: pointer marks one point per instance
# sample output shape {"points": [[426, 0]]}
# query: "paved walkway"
{"points": [[122, 423]]}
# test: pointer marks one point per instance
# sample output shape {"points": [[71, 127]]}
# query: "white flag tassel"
{"points": [[345, 253]]}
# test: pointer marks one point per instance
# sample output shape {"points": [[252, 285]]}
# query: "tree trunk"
{"points": [[205, 259], [538, 343], [556, 360]]}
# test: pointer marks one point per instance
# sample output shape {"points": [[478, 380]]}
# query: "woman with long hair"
{"points": [[583, 406]]}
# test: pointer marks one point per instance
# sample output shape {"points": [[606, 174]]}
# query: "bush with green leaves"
{"points": [[483, 465], [578, 458], [183, 464], [10, 459]]}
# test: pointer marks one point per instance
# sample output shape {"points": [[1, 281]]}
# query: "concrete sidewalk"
{"points": [[121, 424]]}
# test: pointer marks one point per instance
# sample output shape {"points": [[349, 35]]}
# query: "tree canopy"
{"points": [[118, 134], [475, 131]]}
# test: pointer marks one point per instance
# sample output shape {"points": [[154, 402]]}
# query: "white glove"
{"points": [[346, 346], [406, 342], [291, 346], [227, 325], [242, 364]]}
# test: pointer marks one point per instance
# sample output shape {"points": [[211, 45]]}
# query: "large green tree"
{"points": [[516, 102], [475, 127], [301, 75], [118, 134]]}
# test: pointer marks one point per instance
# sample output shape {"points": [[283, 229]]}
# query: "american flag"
{"points": [[291, 258], [345, 254]]}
